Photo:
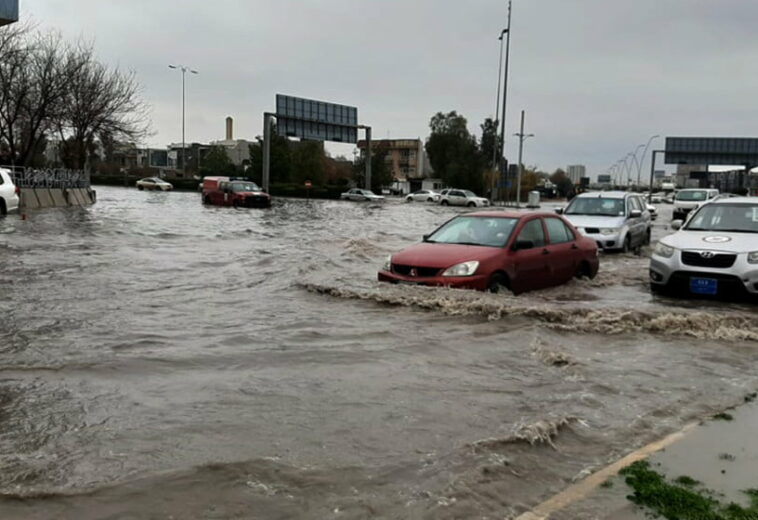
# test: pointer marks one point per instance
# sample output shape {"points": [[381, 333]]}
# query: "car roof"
{"points": [[509, 214], [605, 194], [736, 200]]}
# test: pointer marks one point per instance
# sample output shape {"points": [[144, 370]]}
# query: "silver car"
{"points": [[714, 253], [357, 194], [462, 198], [423, 196], [616, 220]]}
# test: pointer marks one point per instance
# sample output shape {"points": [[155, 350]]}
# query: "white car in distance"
{"points": [[154, 184], [423, 196], [8, 193], [359, 195], [463, 198]]}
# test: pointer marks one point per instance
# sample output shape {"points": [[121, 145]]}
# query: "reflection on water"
{"points": [[216, 362]]}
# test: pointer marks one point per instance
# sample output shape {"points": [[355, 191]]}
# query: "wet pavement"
{"points": [[159, 358]]}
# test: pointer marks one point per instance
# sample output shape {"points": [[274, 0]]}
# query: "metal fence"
{"points": [[48, 178]]}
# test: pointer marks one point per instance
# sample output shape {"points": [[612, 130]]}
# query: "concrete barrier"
{"points": [[28, 199], [44, 198], [59, 201]]}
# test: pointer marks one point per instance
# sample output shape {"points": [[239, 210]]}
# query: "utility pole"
{"points": [[367, 180], [522, 137]]}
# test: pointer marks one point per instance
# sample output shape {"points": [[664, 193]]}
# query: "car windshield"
{"points": [[475, 231], [596, 206], [244, 186], [737, 218], [691, 195]]}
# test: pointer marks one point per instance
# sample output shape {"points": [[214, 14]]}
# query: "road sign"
{"points": [[316, 120], [8, 11], [724, 151], [604, 178]]}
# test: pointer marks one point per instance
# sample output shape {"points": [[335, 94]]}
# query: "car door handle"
{"points": [[574, 246], [545, 252]]}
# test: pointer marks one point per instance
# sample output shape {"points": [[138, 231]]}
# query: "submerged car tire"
{"points": [[445, 203], [584, 271], [498, 283], [648, 237], [627, 247], [430, 199], [207, 200], [471, 204], [3, 207], [141, 187]]}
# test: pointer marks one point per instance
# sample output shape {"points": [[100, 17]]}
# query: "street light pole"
{"points": [[505, 83], [184, 69], [522, 137], [639, 166], [497, 105]]}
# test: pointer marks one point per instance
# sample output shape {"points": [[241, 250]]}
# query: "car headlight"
{"points": [[387, 264], [464, 269], [752, 258], [609, 231], [663, 250]]}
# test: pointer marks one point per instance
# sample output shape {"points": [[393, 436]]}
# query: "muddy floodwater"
{"points": [[161, 359]]}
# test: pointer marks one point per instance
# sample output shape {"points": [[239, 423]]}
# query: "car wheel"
{"points": [[627, 247], [207, 200], [445, 203], [584, 271], [498, 283], [141, 187], [647, 237], [408, 199], [471, 204], [3, 207]]}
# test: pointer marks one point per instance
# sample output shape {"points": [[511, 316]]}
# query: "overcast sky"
{"points": [[596, 77]]}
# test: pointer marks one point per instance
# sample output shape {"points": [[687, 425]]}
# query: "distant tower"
{"points": [[229, 129]]}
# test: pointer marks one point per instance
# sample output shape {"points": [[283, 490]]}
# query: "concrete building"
{"points": [[407, 161], [575, 172], [238, 150], [691, 176], [8, 11], [196, 152]]}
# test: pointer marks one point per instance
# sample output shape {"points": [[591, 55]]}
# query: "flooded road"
{"points": [[163, 359]]}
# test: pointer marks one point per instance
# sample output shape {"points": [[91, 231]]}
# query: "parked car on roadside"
{"points": [[689, 199], [653, 211], [714, 253], [616, 220], [463, 198], [423, 196], [489, 251], [154, 184], [239, 193], [357, 194], [9, 193]]}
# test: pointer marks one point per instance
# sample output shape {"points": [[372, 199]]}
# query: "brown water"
{"points": [[163, 359]]}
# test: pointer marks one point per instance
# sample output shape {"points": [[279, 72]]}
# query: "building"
{"points": [[691, 176], [407, 161], [238, 150], [8, 11], [195, 153], [575, 173]]}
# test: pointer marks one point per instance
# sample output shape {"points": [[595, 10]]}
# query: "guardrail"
{"points": [[48, 178]]}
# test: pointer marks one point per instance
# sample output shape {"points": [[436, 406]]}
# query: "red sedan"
{"points": [[491, 250]]}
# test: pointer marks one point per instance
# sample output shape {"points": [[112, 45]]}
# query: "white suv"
{"points": [[8, 193], [687, 200], [462, 198]]}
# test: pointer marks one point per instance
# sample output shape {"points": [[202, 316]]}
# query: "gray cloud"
{"points": [[596, 77]]}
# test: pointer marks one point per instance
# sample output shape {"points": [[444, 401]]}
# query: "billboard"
{"points": [[8, 11], [316, 120], [604, 179], [712, 150]]}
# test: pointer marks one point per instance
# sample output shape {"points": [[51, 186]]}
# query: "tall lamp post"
{"points": [[497, 105], [507, 32], [522, 137], [184, 70], [644, 153]]}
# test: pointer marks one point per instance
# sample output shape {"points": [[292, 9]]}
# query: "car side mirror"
{"points": [[676, 225], [425, 238], [523, 244], [635, 213], [560, 211]]}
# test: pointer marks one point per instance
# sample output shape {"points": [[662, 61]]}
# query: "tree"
{"points": [[562, 183], [281, 160], [217, 162], [489, 145], [308, 162], [453, 152]]}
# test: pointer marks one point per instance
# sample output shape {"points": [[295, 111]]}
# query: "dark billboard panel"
{"points": [[726, 151]]}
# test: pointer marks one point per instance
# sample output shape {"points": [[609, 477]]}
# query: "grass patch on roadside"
{"points": [[679, 500]]}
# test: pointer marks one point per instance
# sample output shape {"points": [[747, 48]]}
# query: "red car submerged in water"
{"points": [[240, 193], [492, 250]]}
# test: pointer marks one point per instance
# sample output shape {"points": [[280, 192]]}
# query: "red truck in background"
{"points": [[239, 193]]}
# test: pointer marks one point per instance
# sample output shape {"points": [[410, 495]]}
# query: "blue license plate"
{"points": [[704, 286]]}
